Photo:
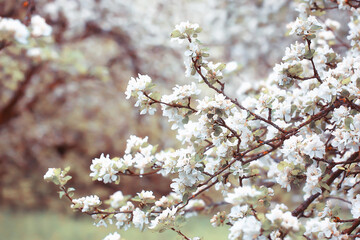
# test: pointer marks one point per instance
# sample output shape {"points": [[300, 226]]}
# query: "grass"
{"points": [[53, 226]]}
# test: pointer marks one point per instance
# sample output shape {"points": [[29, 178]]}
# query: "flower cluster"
{"points": [[304, 27], [184, 31], [299, 130], [16, 28], [105, 169], [113, 236], [87, 203], [38, 28]]}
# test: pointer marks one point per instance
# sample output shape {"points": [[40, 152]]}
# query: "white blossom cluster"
{"points": [[304, 27], [298, 130], [15, 27], [138, 154], [49, 174], [279, 215], [20, 32], [113, 236], [87, 203]]}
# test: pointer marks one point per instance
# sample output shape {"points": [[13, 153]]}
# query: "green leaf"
{"points": [[345, 93], [324, 185], [220, 67], [315, 27], [193, 71], [219, 112], [67, 169], [217, 130], [198, 30], [117, 180], [189, 31], [312, 36], [308, 108], [175, 34], [281, 165], [295, 70], [348, 122], [136, 199], [346, 81], [185, 197], [67, 178], [61, 194], [185, 120], [330, 57], [309, 54]]}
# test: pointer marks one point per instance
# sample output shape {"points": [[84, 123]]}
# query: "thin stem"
{"points": [[316, 74], [170, 104], [180, 233]]}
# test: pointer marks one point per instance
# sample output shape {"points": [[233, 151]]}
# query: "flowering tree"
{"points": [[299, 129], [64, 70]]}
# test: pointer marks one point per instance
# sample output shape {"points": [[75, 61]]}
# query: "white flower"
{"points": [[285, 218], [325, 228], [113, 236], [332, 24], [14, 26], [146, 195], [137, 84], [86, 203], [340, 114], [291, 149], [355, 206], [134, 141], [104, 169], [241, 194], [294, 52], [231, 67], [167, 217], [354, 33], [180, 93], [49, 174], [185, 29], [124, 219], [33, 52], [139, 218], [248, 226], [304, 26], [237, 212], [183, 26], [116, 199], [40, 27], [281, 174], [312, 179], [219, 101], [313, 146]]}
